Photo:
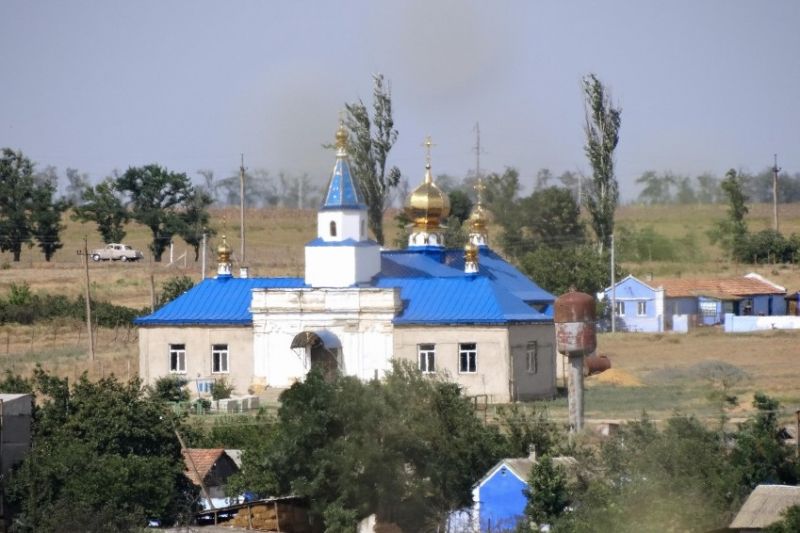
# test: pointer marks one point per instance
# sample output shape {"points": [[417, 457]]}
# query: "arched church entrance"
{"points": [[322, 355]]}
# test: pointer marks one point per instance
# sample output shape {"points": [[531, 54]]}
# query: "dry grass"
{"points": [[665, 365]]}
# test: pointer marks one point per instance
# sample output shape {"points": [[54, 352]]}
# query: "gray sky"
{"points": [[98, 85]]}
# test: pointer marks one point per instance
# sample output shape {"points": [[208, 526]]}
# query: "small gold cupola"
{"points": [[224, 252], [427, 206], [470, 258], [479, 218]]}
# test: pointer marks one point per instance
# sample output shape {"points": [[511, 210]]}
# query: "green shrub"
{"points": [[221, 389], [170, 389]]}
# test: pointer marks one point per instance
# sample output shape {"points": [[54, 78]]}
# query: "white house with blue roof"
{"points": [[465, 314]]}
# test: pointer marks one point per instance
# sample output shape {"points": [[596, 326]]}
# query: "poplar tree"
{"points": [[602, 135], [16, 201], [371, 140]]}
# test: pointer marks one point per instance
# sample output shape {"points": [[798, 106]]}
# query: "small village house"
{"points": [[672, 304], [764, 507]]}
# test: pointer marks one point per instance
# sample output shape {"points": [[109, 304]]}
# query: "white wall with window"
{"points": [[177, 358], [427, 358], [487, 359], [219, 358], [201, 354]]}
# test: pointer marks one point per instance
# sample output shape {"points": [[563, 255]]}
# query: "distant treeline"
{"points": [[670, 188]]}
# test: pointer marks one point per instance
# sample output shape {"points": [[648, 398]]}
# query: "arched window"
{"points": [[333, 228]]}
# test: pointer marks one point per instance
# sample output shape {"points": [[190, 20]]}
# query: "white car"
{"points": [[116, 252]]}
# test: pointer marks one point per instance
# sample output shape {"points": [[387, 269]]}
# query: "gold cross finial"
{"points": [[428, 144]]}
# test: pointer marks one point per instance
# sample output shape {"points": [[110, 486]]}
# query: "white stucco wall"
{"points": [[155, 341], [359, 319], [501, 366], [350, 224], [341, 266]]}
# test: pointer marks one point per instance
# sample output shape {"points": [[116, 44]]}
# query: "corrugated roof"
{"points": [[466, 299], [765, 505], [433, 285], [450, 263], [740, 286], [223, 301]]}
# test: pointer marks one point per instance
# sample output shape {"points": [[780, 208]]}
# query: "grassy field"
{"points": [[659, 373]]}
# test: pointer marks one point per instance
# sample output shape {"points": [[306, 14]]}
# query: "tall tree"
{"points": [[410, 456], [195, 219], [16, 199], [502, 191], [102, 204], [155, 196], [551, 216], [46, 214], [602, 135], [731, 232], [105, 458], [371, 140]]}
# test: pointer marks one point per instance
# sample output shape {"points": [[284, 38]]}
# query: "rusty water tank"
{"points": [[575, 317]]}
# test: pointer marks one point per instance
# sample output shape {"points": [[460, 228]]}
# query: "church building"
{"points": [[465, 315]]}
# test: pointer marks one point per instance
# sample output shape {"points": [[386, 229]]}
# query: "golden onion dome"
{"points": [[478, 219], [470, 253], [427, 205], [224, 251]]}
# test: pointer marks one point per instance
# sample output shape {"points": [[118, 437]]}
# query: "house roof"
{"points": [[433, 287], [223, 301], [717, 287], [521, 466], [203, 459], [765, 505]]}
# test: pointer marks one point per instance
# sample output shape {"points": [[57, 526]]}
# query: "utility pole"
{"points": [[203, 261], [775, 171], [87, 297], [241, 210], [613, 290]]}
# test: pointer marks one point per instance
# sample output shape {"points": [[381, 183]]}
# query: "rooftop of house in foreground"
{"points": [[432, 283]]}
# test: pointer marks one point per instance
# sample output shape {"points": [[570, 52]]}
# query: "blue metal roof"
{"points": [[342, 190], [224, 301], [470, 299], [450, 263], [432, 283]]}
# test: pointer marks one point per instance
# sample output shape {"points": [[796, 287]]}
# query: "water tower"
{"points": [[575, 338]]}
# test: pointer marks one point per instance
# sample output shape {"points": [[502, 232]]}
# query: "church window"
{"points": [[177, 358], [532, 357], [333, 228], [467, 358], [219, 358], [427, 358]]}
